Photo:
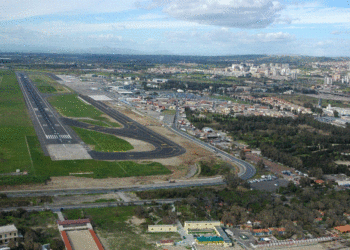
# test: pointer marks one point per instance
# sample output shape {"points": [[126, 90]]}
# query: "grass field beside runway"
{"points": [[15, 125], [101, 123], [46, 84], [103, 142], [20, 147], [72, 106], [101, 169]]}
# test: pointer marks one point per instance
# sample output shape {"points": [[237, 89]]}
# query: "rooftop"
{"points": [[210, 238], [71, 222], [343, 229], [202, 221], [171, 225], [223, 234], [8, 228]]}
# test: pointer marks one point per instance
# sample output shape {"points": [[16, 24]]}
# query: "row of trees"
{"points": [[302, 143], [294, 208]]}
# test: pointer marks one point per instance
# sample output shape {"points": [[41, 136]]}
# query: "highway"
{"points": [[103, 190], [56, 208]]}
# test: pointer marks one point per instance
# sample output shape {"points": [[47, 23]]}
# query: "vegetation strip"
{"points": [[103, 142]]}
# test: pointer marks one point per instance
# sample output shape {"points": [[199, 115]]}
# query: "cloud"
{"points": [[228, 38], [19, 9], [314, 13], [340, 32], [246, 14], [74, 27], [151, 16]]}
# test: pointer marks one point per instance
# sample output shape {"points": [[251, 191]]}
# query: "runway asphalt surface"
{"points": [[47, 124], [54, 130], [164, 148]]}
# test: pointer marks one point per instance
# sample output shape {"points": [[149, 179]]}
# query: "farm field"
{"points": [[118, 228], [72, 106], [103, 142]]}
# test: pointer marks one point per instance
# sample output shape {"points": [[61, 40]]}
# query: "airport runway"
{"points": [[49, 128], [164, 148]]}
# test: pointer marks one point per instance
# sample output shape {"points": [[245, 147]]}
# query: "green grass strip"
{"points": [[44, 166], [101, 123], [103, 142]]}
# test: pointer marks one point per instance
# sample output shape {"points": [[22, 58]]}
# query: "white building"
{"points": [[7, 233], [328, 81]]}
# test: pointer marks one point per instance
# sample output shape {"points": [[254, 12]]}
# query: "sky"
{"points": [[181, 27]]}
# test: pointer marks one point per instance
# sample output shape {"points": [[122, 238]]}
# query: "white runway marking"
{"points": [[60, 136]]}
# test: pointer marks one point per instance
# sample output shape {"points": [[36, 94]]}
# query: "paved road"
{"points": [[103, 190], [246, 170], [164, 148], [57, 208], [187, 239]]}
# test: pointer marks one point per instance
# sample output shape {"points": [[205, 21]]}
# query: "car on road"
{"points": [[243, 237]]}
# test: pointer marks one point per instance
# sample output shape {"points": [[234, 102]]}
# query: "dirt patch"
{"points": [[78, 199], [136, 221], [139, 146]]}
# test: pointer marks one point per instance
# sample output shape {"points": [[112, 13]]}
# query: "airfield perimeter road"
{"points": [[57, 208], [164, 148], [103, 190]]}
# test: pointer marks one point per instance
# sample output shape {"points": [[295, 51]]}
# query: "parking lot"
{"points": [[269, 186]]}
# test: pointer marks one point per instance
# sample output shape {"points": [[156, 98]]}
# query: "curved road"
{"points": [[246, 170], [164, 148]]}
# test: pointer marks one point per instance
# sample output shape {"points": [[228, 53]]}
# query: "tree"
{"points": [[336, 114], [57, 244], [140, 212], [242, 155], [304, 182], [260, 164], [232, 180], [12, 244]]}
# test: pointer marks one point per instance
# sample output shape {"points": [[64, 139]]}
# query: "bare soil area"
{"points": [[139, 146], [78, 199]]}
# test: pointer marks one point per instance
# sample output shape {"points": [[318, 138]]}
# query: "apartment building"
{"points": [[7, 233]]}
